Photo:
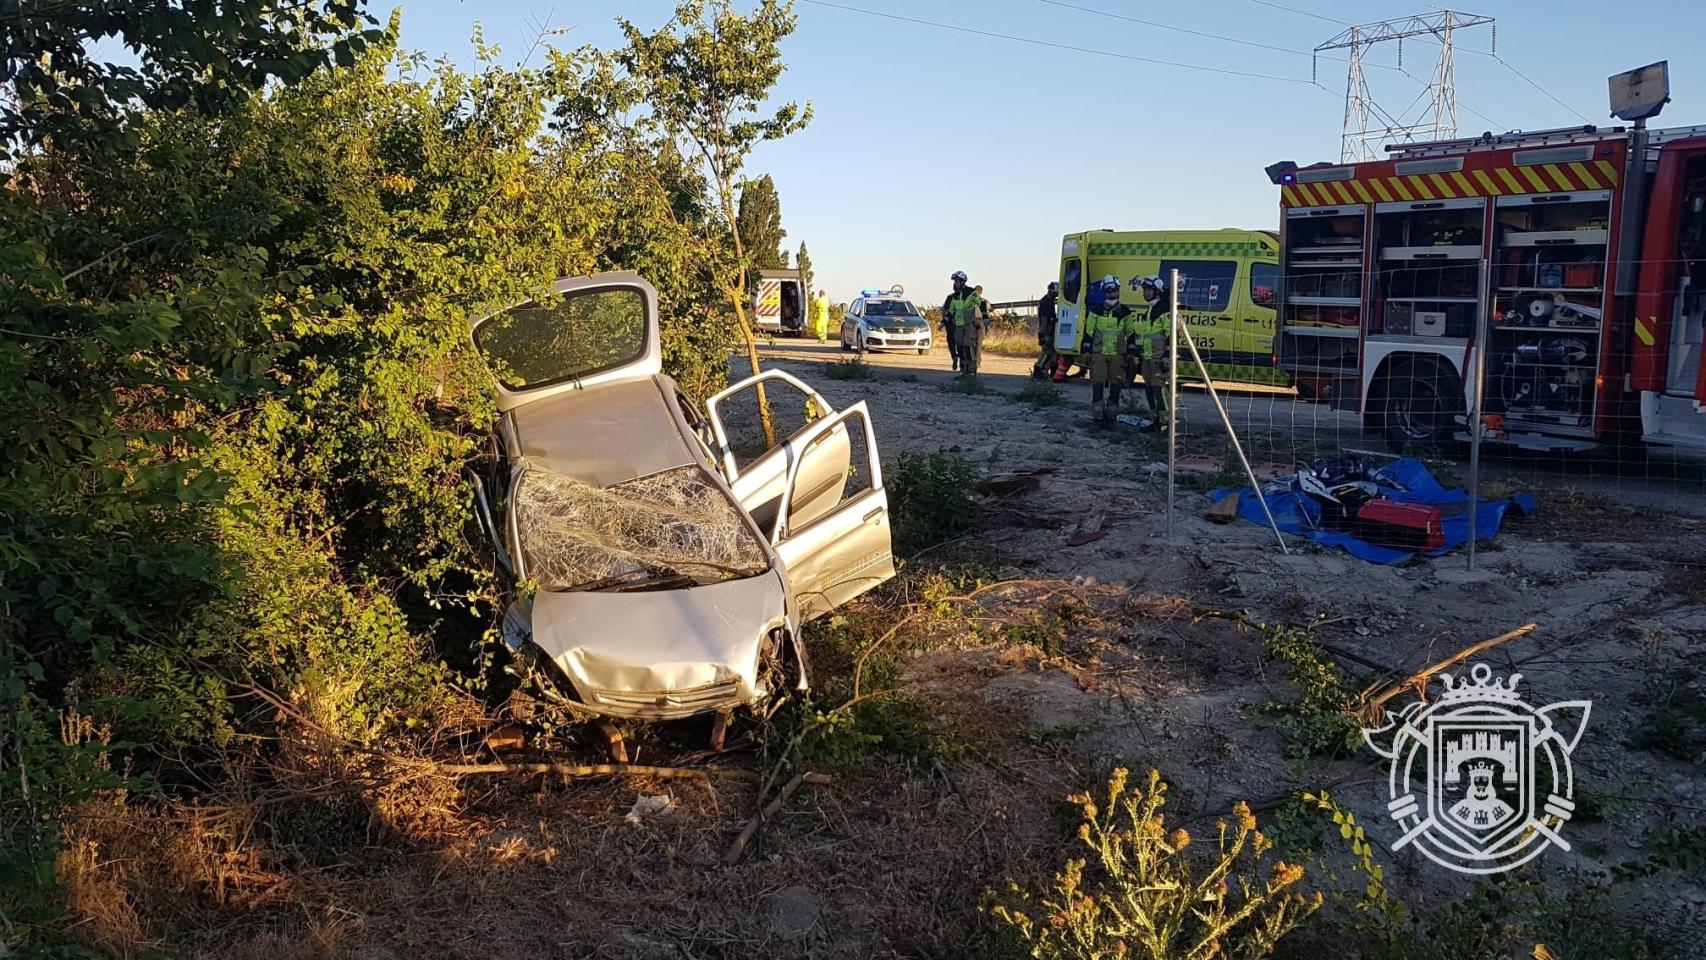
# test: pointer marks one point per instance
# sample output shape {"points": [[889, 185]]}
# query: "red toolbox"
{"points": [[1407, 526]]}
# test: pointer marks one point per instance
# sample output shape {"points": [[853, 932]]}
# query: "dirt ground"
{"points": [[894, 857]]}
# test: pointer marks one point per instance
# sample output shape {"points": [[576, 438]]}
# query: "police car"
{"points": [[884, 320]]}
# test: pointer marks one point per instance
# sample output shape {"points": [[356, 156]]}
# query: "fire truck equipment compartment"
{"points": [[1405, 481]]}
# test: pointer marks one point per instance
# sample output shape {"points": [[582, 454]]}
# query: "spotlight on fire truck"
{"points": [[1282, 173], [1641, 93]]}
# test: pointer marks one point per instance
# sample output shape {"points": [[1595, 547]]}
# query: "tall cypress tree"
{"points": [[803, 263], [760, 218]]}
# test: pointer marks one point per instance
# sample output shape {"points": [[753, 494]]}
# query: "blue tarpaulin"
{"points": [[1406, 481]]}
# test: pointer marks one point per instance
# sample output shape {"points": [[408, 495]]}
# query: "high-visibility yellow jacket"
{"points": [[1105, 333], [1156, 320], [963, 308]]}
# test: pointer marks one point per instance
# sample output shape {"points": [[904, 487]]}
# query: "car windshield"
{"points": [[562, 338], [675, 527], [889, 308]]}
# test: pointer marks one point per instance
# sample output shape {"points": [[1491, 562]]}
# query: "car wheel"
{"points": [[923, 350], [1418, 404]]}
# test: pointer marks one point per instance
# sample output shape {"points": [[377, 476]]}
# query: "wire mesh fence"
{"points": [[1489, 378]]}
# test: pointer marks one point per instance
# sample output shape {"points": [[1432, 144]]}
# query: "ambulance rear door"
{"points": [[1070, 307]]}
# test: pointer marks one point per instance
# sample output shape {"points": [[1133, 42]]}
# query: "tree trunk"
{"points": [[737, 299]]}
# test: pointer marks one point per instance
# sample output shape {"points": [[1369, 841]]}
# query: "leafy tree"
{"points": [[191, 53], [758, 222], [706, 76], [803, 263], [237, 398]]}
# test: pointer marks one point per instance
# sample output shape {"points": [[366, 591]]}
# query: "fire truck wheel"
{"points": [[1418, 403]]}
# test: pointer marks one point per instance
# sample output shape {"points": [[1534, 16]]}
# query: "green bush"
{"points": [[1143, 892], [966, 384], [1319, 721], [239, 397], [930, 500], [1040, 395], [849, 370]]}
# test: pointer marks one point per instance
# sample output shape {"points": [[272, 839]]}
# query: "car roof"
{"points": [[608, 433]]}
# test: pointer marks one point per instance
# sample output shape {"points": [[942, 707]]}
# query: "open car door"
{"points": [[832, 535], [757, 472], [582, 332]]}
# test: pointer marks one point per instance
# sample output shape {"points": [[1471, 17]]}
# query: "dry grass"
{"points": [[329, 850], [1011, 340]]}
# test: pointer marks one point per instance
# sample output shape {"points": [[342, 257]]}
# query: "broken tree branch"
{"points": [[770, 810], [1419, 680], [599, 770]]}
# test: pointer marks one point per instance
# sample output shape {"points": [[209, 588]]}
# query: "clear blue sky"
{"points": [[933, 150]]}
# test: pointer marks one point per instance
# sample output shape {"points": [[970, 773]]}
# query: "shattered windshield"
{"points": [[543, 342], [675, 528]]}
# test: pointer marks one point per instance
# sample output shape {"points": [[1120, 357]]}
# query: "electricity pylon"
{"points": [[1438, 121]]}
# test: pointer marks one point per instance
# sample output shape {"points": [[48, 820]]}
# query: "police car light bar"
{"points": [[870, 292]]}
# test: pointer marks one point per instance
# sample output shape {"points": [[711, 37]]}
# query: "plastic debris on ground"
{"points": [[1379, 514], [646, 805]]}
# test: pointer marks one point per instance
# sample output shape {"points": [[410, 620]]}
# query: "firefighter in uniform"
{"points": [[959, 278], [1153, 333], [1046, 320], [1105, 332], [961, 314]]}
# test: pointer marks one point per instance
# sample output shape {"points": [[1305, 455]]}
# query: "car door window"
{"points": [[756, 469], [1264, 282]]}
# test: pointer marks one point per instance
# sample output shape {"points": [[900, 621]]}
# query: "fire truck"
{"points": [[1546, 289]]}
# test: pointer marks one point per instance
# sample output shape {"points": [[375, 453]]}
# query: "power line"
{"points": [[1537, 86], [1494, 124], [1305, 13], [1060, 46], [1164, 26]]}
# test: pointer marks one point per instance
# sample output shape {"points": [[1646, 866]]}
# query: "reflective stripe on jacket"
{"points": [[1105, 333]]}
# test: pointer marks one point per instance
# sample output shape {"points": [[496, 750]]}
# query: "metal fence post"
{"points": [[1172, 393], [1477, 374]]}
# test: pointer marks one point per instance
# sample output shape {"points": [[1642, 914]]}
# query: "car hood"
{"points": [[896, 321], [663, 640]]}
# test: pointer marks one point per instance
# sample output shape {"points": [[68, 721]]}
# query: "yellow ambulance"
{"points": [[1227, 283]]}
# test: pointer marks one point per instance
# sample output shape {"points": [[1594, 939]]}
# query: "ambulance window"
{"points": [[1204, 285], [1264, 280], [1071, 279]]}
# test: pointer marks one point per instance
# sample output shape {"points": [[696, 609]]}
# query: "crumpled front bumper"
{"points": [[664, 654]]}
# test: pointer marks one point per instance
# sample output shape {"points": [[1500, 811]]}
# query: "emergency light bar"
{"points": [[870, 292]]}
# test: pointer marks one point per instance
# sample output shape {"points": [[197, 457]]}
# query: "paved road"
{"points": [[1274, 425]]}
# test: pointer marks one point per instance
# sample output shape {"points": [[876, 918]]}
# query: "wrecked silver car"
{"points": [[662, 570]]}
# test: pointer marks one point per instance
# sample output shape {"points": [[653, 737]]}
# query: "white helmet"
{"points": [[959, 275], [1110, 282], [1156, 284]]}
